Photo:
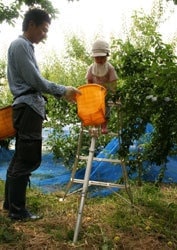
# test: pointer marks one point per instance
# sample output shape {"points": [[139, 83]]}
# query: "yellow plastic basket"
{"points": [[6, 124], [91, 104]]}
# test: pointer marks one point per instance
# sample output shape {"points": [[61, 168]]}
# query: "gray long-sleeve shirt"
{"points": [[25, 80]]}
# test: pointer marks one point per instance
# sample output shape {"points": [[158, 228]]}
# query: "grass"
{"points": [[111, 222]]}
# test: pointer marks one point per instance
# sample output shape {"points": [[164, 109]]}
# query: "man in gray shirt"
{"points": [[27, 86]]}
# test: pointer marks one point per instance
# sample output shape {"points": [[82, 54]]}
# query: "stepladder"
{"points": [[93, 95]]}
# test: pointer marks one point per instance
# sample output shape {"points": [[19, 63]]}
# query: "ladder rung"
{"points": [[109, 133], [113, 134], [99, 159], [112, 104], [99, 183]]}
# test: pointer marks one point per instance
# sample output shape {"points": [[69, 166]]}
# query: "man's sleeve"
{"points": [[30, 73]]}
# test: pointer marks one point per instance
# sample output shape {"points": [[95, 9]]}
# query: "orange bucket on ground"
{"points": [[91, 104], [6, 124]]}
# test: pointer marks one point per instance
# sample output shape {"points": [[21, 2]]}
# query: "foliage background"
{"points": [[146, 67]]}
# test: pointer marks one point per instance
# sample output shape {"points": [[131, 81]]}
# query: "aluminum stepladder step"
{"points": [[94, 133]]}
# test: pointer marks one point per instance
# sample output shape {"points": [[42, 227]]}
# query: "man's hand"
{"points": [[70, 94]]}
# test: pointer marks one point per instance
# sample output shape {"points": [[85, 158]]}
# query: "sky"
{"points": [[89, 19]]}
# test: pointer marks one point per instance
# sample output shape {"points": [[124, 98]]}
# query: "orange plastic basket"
{"points": [[6, 123], [91, 104]]}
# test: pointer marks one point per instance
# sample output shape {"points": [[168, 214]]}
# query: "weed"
{"points": [[110, 222]]}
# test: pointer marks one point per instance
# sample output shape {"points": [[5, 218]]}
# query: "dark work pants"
{"points": [[27, 156]]}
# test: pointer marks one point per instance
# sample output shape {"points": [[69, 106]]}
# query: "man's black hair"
{"points": [[38, 16]]}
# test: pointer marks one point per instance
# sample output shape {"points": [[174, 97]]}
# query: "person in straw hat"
{"points": [[102, 72]]}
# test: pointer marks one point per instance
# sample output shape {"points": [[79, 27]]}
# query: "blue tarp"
{"points": [[53, 175], [49, 177]]}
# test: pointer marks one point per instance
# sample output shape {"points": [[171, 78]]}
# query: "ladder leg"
{"points": [[127, 186], [85, 188], [123, 166], [75, 165]]}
